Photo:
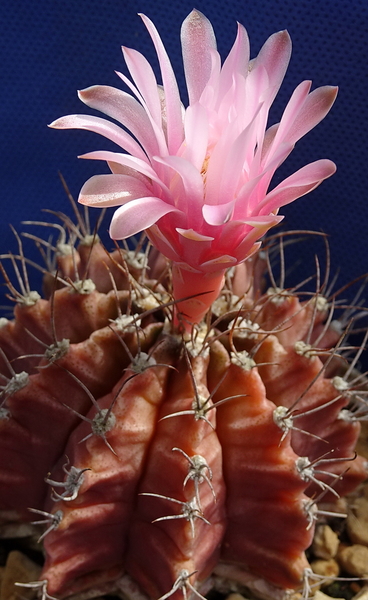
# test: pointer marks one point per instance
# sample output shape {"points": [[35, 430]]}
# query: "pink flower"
{"points": [[196, 179]]}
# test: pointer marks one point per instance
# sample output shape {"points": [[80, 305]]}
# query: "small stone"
{"points": [[354, 560], [235, 596], [325, 543], [363, 594], [321, 596], [327, 568], [340, 505], [16, 530], [357, 521], [18, 568]]}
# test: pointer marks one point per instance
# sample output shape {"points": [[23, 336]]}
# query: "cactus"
{"points": [[171, 456], [171, 424]]}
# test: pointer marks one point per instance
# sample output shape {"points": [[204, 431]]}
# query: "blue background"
{"points": [[51, 48]]}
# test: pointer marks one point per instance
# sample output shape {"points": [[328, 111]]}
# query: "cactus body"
{"points": [[159, 455]]}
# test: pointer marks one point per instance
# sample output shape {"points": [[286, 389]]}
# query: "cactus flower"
{"points": [[197, 179]]}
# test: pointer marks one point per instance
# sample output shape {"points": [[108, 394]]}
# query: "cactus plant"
{"points": [[168, 417]]}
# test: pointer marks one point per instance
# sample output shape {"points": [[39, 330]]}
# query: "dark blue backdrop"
{"points": [[51, 48]]}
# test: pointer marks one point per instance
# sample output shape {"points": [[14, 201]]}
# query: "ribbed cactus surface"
{"points": [[163, 456]]}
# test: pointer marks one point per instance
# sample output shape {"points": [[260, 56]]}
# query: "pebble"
{"points": [[18, 568], [325, 543], [363, 594], [340, 505], [357, 521], [321, 596], [354, 560], [327, 568]]}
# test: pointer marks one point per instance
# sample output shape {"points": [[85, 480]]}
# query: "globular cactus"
{"points": [[171, 456], [175, 422]]}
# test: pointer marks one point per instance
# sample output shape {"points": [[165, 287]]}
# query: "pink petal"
{"points": [[172, 97], [300, 183], [210, 92], [157, 127], [118, 169], [268, 139], [256, 85], [197, 39], [237, 158], [217, 214], [246, 249], [123, 108], [224, 261], [244, 244], [243, 206], [315, 108], [133, 217], [101, 126], [161, 242], [240, 233], [111, 190], [191, 202], [128, 161], [193, 235], [236, 62], [145, 80], [261, 221], [227, 160], [281, 153], [293, 107], [275, 56], [196, 128]]}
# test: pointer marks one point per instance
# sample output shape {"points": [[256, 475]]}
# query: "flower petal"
{"points": [[111, 190], [197, 40], [97, 125], [196, 127], [225, 261], [266, 173], [300, 183], [293, 107], [236, 62], [191, 201], [157, 128], [238, 158], [118, 169], [217, 214], [124, 108], [172, 97], [128, 161], [315, 108], [263, 220], [210, 92], [133, 217], [160, 241], [228, 159], [275, 56], [190, 234], [145, 80]]}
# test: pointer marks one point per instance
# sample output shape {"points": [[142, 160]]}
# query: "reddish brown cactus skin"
{"points": [[161, 457], [262, 484]]}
